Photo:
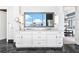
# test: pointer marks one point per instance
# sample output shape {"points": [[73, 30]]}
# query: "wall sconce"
{"points": [[20, 20], [56, 19]]}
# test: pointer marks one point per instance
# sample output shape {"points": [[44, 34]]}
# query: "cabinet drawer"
{"points": [[35, 32], [39, 32], [24, 41], [27, 33], [39, 36], [39, 43], [51, 32], [51, 36], [23, 45], [39, 39]]}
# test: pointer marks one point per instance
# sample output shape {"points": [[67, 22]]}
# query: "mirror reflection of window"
{"points": [[35, 19], [49, 19], [28, 20]]}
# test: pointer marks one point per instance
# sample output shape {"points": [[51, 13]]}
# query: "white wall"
{"points": [[77, 26], [69, 9], [37, 9], [60, 13], [13, 13]]}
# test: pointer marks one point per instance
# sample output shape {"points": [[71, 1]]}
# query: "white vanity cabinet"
{"points": [[54, 39], [39, 39], [24, 39], [51, 38]]}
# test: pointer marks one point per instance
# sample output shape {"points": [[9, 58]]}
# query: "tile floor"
{"points": [[10, 48]]}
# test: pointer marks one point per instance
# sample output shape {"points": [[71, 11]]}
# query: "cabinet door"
{"points": [[54, 40], [25, 39], [59, 41], [51, 38], [51, 41]]}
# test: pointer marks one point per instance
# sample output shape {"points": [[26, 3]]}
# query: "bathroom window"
{"points": [[38, 19]]}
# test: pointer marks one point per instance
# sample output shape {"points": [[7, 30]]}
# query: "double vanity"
{"points": [[39, 38]]}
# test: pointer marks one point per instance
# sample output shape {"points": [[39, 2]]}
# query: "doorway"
{"points": [[3, 30], [69, 24]]}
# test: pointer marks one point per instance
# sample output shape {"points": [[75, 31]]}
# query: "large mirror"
{"points": [[38, 19]]}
